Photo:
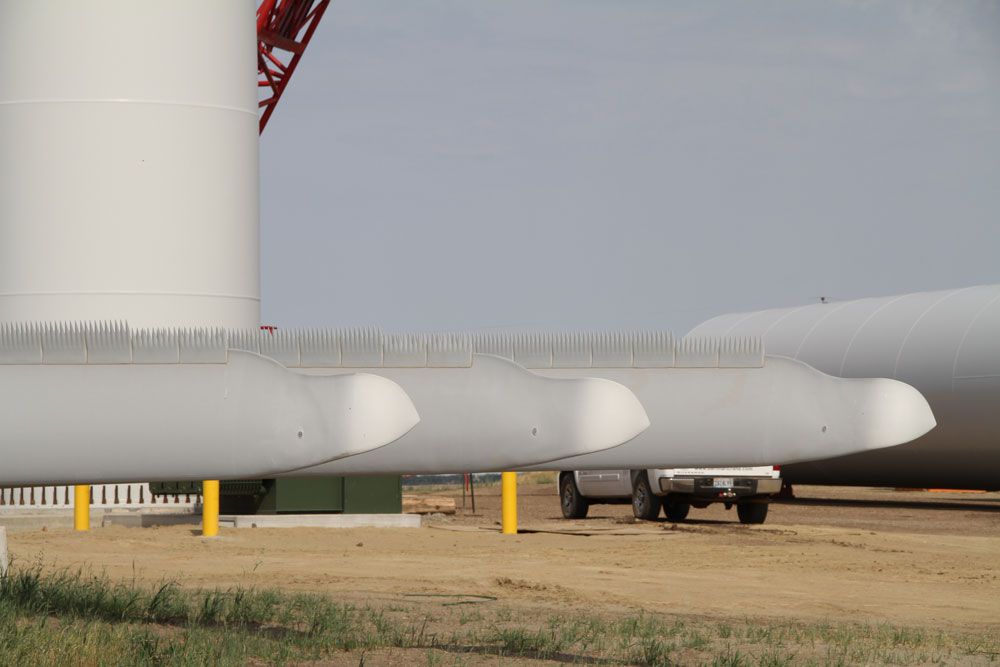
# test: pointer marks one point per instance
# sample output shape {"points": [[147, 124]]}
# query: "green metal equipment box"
{"points": [[382, 494], [377, 494], [299, 496], [171, 488]]}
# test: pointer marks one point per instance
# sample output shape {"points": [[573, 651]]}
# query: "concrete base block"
{"points": [[47, 520], [321, 520], [143, 519]]}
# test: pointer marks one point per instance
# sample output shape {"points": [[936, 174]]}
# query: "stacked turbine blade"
{"points": [[212, 403], [109, 403]]}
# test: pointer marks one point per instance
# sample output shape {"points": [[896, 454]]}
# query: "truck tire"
{"points": [[574, 506], [645, 505], [752, 512], [676, 511]]}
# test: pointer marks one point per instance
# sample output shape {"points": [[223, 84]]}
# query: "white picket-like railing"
{"points": [[103, 496]]}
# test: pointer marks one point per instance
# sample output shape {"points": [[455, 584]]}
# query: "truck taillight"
{"points": [[776, 467]]}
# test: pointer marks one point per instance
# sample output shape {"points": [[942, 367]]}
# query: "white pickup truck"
{"points": [[676, 490]]}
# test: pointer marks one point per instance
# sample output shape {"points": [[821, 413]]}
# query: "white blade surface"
{"points": [[495, 415], [250, 417], [782, 412]]}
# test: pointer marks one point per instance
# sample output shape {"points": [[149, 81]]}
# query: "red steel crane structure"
{"points": [[284, 28]]}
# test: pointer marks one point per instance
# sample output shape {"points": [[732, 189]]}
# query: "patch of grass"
{"points": [[78, 618], [538, 477], [651, 651], [519, 642], [696, 640], [470, 617], [730, 658]]}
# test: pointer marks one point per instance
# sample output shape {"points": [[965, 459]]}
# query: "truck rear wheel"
{"points": [[645, 505], [574, 506], [752, 512], [676, 511]]}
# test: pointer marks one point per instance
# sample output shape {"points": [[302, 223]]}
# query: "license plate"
{"points": [[722, 482]]}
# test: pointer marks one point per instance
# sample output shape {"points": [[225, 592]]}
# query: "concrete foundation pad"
{"points": [[143, 519], [63, 518], [21, 522], [320, 520]]}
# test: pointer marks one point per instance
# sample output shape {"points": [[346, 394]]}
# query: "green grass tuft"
{"points": [[70, 617]]}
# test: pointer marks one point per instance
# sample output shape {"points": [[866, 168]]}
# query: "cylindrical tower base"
{"points": [[128, 167]]}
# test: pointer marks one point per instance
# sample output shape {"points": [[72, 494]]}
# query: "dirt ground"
{"points": [[837, 554]]}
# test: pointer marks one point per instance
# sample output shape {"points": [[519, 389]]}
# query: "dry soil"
{"points": [[839, 554]]}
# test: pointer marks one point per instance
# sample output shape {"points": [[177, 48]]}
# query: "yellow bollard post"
{"points": [[210, 508], [81, 507], [508, 489]]}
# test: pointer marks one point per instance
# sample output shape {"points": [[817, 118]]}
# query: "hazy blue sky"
{"points": [[557, 164]]}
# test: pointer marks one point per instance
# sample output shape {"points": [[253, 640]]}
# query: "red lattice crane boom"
{"points": [[284, 28]]}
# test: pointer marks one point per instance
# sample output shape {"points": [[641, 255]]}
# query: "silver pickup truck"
{"points": [[676, 490]]}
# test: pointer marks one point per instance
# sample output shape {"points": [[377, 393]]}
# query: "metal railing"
{"points": [[102, 496]]}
